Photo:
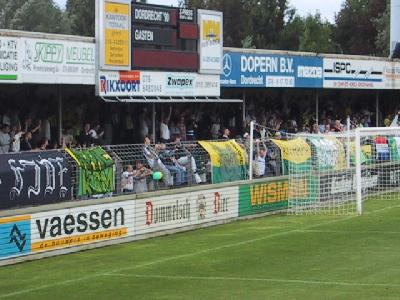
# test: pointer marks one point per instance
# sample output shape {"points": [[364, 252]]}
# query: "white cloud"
{"points": [[327, 8]]}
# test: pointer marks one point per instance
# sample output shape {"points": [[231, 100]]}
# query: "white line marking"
{"points": [[46, 286], [290, 281], [282, 233], [349, 232]]}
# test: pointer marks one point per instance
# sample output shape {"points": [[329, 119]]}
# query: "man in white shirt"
{"points": [[127, 180], [165, 134], [259, 161]]}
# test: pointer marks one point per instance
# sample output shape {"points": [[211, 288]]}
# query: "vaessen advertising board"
{"points": [[148, 83], [59, 229], [270, 70]]}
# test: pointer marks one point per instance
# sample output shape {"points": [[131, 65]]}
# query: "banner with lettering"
{"points": [[295, 154], [228, 160], [329, 153], [96, 171], [34, 178]]}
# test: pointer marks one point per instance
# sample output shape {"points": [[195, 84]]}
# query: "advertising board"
{"points": [[33, 178], [211, 41], [148, 83], [392, 75], [154, 15], [15, 236], [185, 209], [113, 34], [153, 36], [263, 197], [56, 61], [343, 184], [9, 60], [81, 225], [270, 70], [353, 74]]}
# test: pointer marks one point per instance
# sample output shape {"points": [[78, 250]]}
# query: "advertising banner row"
{"points": [[65, 228], [295, 71], [151, 83], [28, 60], [44, 61]]}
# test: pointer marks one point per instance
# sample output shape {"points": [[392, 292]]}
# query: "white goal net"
{"points": [[332, 173]]}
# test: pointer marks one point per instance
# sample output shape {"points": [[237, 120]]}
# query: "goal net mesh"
{"points": [[322, 169]]}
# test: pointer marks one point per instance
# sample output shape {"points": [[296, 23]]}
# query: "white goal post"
{"points": [[331, 173], [386, 166]]}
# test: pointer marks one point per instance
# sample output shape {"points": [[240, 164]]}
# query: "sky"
{"points": [[327, 8]]}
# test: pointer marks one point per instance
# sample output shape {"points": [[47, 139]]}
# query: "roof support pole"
{"points": [[153, 114], [60, 133]]}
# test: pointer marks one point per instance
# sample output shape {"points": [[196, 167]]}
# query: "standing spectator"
{"points": [[15, 136], [143, 124], [43, 144], [215, 128], [85, 139], [174, 130], [155, 162], [259, 162], [36, 132], [140, 176], [226, 134], [127, 180], [191, 132], [5, 139], [182, 128], [164, 129], [96, 134], [338, 126], [26, 142], [68, 138]]}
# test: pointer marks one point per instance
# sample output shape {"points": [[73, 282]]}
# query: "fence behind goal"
{"points": [[333, 173]]}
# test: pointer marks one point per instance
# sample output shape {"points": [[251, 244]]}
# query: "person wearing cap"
{"points": [[5, 139]]}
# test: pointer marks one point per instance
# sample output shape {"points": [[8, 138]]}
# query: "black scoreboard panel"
{"points": [[164, 38]]}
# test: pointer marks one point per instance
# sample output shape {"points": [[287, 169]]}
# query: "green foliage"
{"points": [[7, 11], [39, 15], [356, 30], [81, 14], [316, 35], [382, 40]]}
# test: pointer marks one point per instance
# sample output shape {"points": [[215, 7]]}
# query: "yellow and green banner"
{"points": [[366, 153], [228, 160], [295, 155], [96, 171]]}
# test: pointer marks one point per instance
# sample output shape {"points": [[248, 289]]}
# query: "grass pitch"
{"points": [[276, 257]]}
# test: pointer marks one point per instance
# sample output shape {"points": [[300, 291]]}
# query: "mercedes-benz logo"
{"points": [[227, 65]]}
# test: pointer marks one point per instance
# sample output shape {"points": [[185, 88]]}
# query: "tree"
{"points": [[291, 33], [356, 30], [257, 21], [7, 11], [41, 16], [382, 24], [81, 14], [316, 35]]}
